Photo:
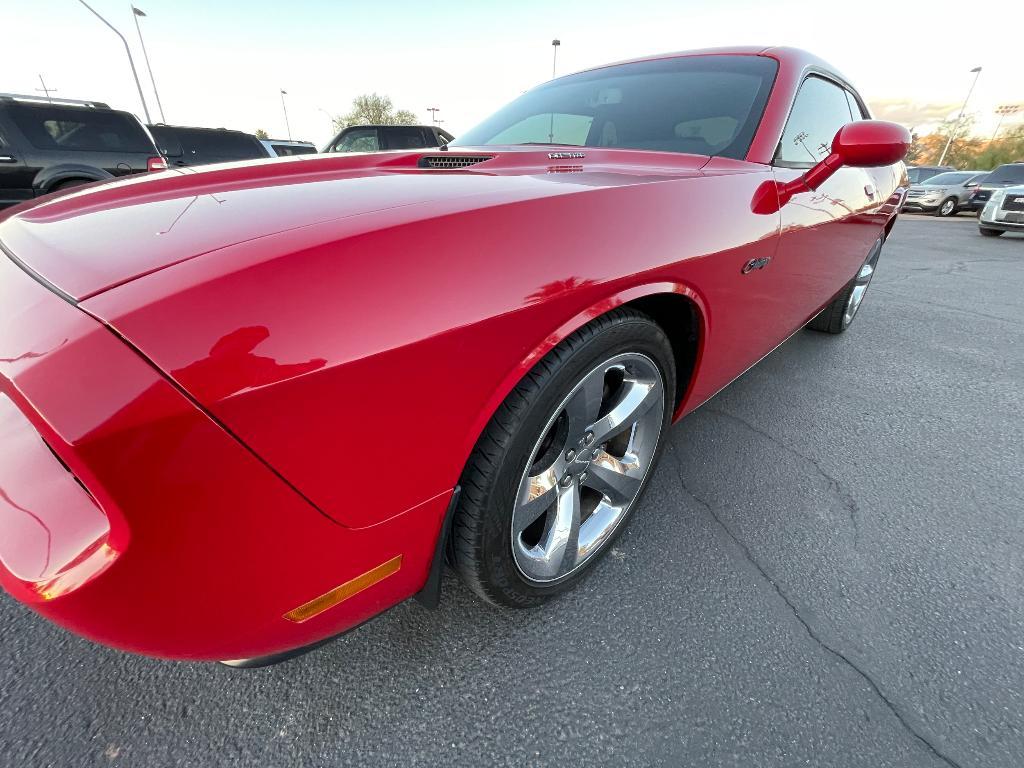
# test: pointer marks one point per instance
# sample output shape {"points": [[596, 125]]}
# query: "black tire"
{"points": [[481, 546], [947, 207], [986, 232], [833, 318]]}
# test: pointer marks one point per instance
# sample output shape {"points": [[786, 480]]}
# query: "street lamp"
{"points": [[433, 114], [285, 109], [956, 125], [127, 50], [1004, 110], [136, 14], [554, 56]]}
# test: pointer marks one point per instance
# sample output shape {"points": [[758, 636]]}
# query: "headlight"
{"points": [[997, 195]]}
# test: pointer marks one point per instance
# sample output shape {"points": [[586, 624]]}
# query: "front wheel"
{"points": [[563, 461], [947, 207], [837, 316]]}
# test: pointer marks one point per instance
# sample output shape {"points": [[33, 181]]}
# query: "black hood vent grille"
{"points": [[451, 161]]}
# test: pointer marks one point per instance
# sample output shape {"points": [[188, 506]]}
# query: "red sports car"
{"points": [[245, 408]]}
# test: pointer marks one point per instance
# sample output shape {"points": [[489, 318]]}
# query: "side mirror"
{"points": [[864, 144]]}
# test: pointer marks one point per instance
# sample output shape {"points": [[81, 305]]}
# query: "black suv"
{"points": [[51, 145], [373, 138], [183, 146], [1009, 175]]}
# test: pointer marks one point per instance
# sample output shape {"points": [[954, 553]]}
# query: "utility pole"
{"points": [[956, 125], [285, 109], [136, 13], [131, 61], [48, 91], [433, 114]]}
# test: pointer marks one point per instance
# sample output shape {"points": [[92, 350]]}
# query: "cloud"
{"points": [[913, 114]]}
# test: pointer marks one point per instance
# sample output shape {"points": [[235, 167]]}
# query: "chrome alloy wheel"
{"points": [[948, 207], [588, 467], [860, 287]]}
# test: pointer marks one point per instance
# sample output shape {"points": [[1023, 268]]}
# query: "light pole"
{"points": [[433, 114], [956, 125], [285, 109], [48, 91], [136, 13], [127, 50], [554, 56], [1004, 110]]}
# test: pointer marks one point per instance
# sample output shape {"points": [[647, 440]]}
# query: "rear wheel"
{"points": [[986, 232], [564, 460], [947, 207], [839, 314]]}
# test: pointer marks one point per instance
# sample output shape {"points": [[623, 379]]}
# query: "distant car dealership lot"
{"points": [[782, 596]]}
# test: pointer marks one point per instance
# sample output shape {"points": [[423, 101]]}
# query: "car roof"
{"points": [[380, 125], [164, 126]]}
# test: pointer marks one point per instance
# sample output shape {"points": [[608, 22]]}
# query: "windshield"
{"points": [[706, 105], [951, 178], [1013, 174]]}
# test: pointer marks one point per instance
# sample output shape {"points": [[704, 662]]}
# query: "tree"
{"points": [[373, 109], [261, 134]]}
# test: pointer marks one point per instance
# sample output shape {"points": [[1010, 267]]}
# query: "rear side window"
{"points": [[820, 110], [1013, 173], [225, 145], [85, 130], [166, 141], [406, 138]]}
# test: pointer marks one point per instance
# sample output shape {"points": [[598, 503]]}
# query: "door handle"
{"points": [[7, 159]]}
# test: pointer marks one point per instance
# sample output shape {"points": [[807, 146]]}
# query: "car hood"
{"points": [[89, 240]]}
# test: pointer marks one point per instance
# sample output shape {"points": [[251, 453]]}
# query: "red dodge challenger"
{"points": [[246, 408]]}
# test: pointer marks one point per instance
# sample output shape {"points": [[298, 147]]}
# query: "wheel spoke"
{"points": [[618, 479], [537, 498], [637, 397], [584, 406], [561, 545]]}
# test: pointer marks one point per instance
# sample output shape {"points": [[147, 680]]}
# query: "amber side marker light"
{"points": [[343, 592]]}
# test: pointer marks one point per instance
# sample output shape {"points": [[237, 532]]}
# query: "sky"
{"points": [[222, 64]]}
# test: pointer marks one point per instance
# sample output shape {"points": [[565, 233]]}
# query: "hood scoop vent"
{"points": [[451, 161]]}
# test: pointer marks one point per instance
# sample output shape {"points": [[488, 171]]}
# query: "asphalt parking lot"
{"points": [[827, 570]]}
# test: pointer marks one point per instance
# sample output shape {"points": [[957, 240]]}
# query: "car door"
{"points": [[15, 180], [825, 234]]}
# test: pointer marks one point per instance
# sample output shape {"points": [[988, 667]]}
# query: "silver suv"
{"points": [[1003, 212], [945, 194]]}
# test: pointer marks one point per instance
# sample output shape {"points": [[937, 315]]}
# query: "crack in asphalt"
{"points": [[843, 496], [947, 307], [810, 631]]}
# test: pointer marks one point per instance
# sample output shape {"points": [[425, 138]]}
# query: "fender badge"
{"points": [[759, 263], [566, 155]]}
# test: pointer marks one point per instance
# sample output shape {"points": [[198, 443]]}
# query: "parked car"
{"points": [[243, 439], [918, 174], [185, 146], [945, 194], [1003, 212], [1009, 175], [372, 138], [49, 145], [287, 147]]}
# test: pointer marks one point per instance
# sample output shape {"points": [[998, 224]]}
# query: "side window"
{"points": [[401, 137], [359, 140], [819, 111], [855, 110]]}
